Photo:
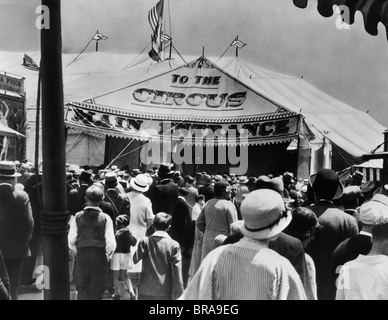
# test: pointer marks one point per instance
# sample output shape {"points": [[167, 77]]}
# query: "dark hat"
{"points": [[275, 184], [111, 179], [220, 187], [327, 184], [85, 176], [165, 171]]}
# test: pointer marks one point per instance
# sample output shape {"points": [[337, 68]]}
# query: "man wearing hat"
{"points": [[248, 269], [206, 188], [76, 197], [165, 192], [16, 225], [216, 217], [336, 227], [192, 191], [361, 243], [115, 195]]}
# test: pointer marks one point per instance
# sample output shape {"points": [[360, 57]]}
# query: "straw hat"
{"points": [[8, 169]]}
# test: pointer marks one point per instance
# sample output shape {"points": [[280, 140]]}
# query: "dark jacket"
{"points": [[164, 197], [16, 222]]}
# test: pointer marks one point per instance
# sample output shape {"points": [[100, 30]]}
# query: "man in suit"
{"points": [[180, 231], [207, 188], [165, 193], [16, 225], [336, 227]]}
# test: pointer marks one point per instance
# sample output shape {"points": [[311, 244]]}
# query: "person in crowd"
{"points": [[122, 259], [192, 191], [357, 178], [233, 192], [366, 277], [216, 217], [206, 187], [115, 194], [336, 227], [349, 202], [195, 233], [91, 237], [288, 180], [16, 225], [303, 226], [165, 193], [140, 219], [350, 248], [368, 190], [24, 170], [248, 269], [161, 275], [241, 189], [4, 280], [180, 231], [34, 189], [76, 196]]}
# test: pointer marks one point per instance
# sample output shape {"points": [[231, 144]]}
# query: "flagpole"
{"points": [[236, 48], [97, 43]]}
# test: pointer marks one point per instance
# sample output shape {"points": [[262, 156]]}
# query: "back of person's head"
{"points": [[122, 221], [380, 229], [303, 224], [162, 221], [94, 194]]}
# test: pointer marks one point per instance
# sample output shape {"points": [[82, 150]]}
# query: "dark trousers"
{"points": [[92, 273], [14, 269], [29, 263]]}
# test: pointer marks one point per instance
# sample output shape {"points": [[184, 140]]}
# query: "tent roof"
{"points": [[96, 75]]}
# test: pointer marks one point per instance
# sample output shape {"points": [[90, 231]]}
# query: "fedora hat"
{"points": [[8, 169], [264, 214], [327, 184], [165, 171], [140, 183], [220, 187], [275, 184]]}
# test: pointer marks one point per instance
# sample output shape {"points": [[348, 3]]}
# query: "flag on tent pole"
{"points": [[99, 36], [29, 63], [155, 18], [165, 37], [238, 43]]}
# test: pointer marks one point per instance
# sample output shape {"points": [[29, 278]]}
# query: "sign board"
{"points": [[14, 84]]}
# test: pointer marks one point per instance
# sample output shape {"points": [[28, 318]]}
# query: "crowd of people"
{"points": [[160, 234]]}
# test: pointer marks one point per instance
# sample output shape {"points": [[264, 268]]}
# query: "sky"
{"points": [[348, 64]]}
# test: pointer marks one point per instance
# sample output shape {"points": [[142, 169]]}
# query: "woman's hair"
{"points": [[303, 223]]}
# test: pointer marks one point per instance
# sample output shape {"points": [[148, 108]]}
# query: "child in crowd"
{"points": [[122, 259], [161, 275]]}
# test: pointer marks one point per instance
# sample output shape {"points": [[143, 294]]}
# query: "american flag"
{"points": [[29, 63], [155, 16], [238, 43]]}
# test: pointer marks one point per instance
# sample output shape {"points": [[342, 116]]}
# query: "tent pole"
{"points": [[55, 216]]}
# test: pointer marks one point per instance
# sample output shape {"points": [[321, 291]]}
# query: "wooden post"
{"points": [[54, 226]]}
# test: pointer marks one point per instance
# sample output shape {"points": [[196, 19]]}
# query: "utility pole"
{"points": [[54, 226]]}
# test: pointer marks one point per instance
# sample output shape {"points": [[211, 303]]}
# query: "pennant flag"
{"points": [[154, 55], [165, 38], [98, 36], [238, 43], [29, 63]]}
